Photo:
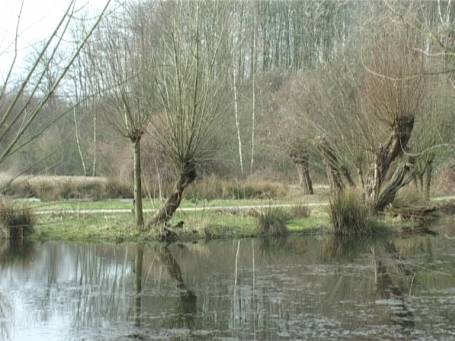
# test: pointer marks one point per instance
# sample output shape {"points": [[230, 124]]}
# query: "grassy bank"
{"points": [[206, 224], [209, 224]]}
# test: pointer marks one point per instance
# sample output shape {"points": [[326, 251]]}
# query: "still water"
{"points": [[251, 289]]}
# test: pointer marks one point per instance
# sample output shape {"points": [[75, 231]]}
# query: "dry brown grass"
{"points": [[273, 222], [49, 188], [349, 214], [215, 188]]}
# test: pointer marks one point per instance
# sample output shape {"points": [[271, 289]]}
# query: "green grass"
{"points": [[210, 224], [204, 224]]}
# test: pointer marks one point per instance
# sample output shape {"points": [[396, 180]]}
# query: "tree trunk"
{"points": [[94, 145], [187, 176], [304, 178], [386, 154], [331, 163], [421, 182], [428, 174], [403, 175], [138, 184], [237, 124], [78, 143], [253, 113]]}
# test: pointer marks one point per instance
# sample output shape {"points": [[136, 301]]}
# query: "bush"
{"points": [[15, 222], [349, 214], [273, 222]]}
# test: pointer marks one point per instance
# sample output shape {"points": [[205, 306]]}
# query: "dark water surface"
{"points": [[299, 288]]}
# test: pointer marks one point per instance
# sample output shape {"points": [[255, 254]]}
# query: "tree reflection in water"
{"points": [[16, 252], [394, 280], [5, 311], [12, 252], [186, 307], [138, 272]]}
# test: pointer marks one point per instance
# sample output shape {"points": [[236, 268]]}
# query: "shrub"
{"points": [[273, 222], [15, 221], [349, 214]]}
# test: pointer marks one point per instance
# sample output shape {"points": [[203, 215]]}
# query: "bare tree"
{"points": [[192, 86], [19, 112], [124, 67]]}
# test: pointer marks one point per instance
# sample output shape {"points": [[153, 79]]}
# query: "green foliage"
{"points": [[349, 214], [273, 222]]}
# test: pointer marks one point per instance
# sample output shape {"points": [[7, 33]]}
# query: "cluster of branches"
{"points": [[376, 110]]}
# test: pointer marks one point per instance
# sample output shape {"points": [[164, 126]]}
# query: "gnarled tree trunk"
{"points": [[332, 165], [304, 178], [385, 156], [301, 161], [187, 176], [300, 157], [402, 176]]}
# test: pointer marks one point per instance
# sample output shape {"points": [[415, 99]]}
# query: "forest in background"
{"points": [[304, 56]]}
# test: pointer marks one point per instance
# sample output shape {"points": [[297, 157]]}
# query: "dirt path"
{"points": [[183, 209], [194, 209]]}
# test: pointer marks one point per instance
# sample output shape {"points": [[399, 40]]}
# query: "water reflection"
{"points": [[16, 251], [263, 289], [5, 311], [185, 308], [138, 271]]}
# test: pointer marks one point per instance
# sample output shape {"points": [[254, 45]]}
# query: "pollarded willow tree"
{"points": [[371, 138], [392, 95], [192, 86], [125, 70]]}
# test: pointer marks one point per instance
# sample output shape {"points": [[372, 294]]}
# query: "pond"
{"points": [[302, 287]]}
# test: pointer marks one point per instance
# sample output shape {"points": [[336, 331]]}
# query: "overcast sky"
{"points": [[39, 18]]}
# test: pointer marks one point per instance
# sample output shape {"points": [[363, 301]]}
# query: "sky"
{"points": [[38, 19]]}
